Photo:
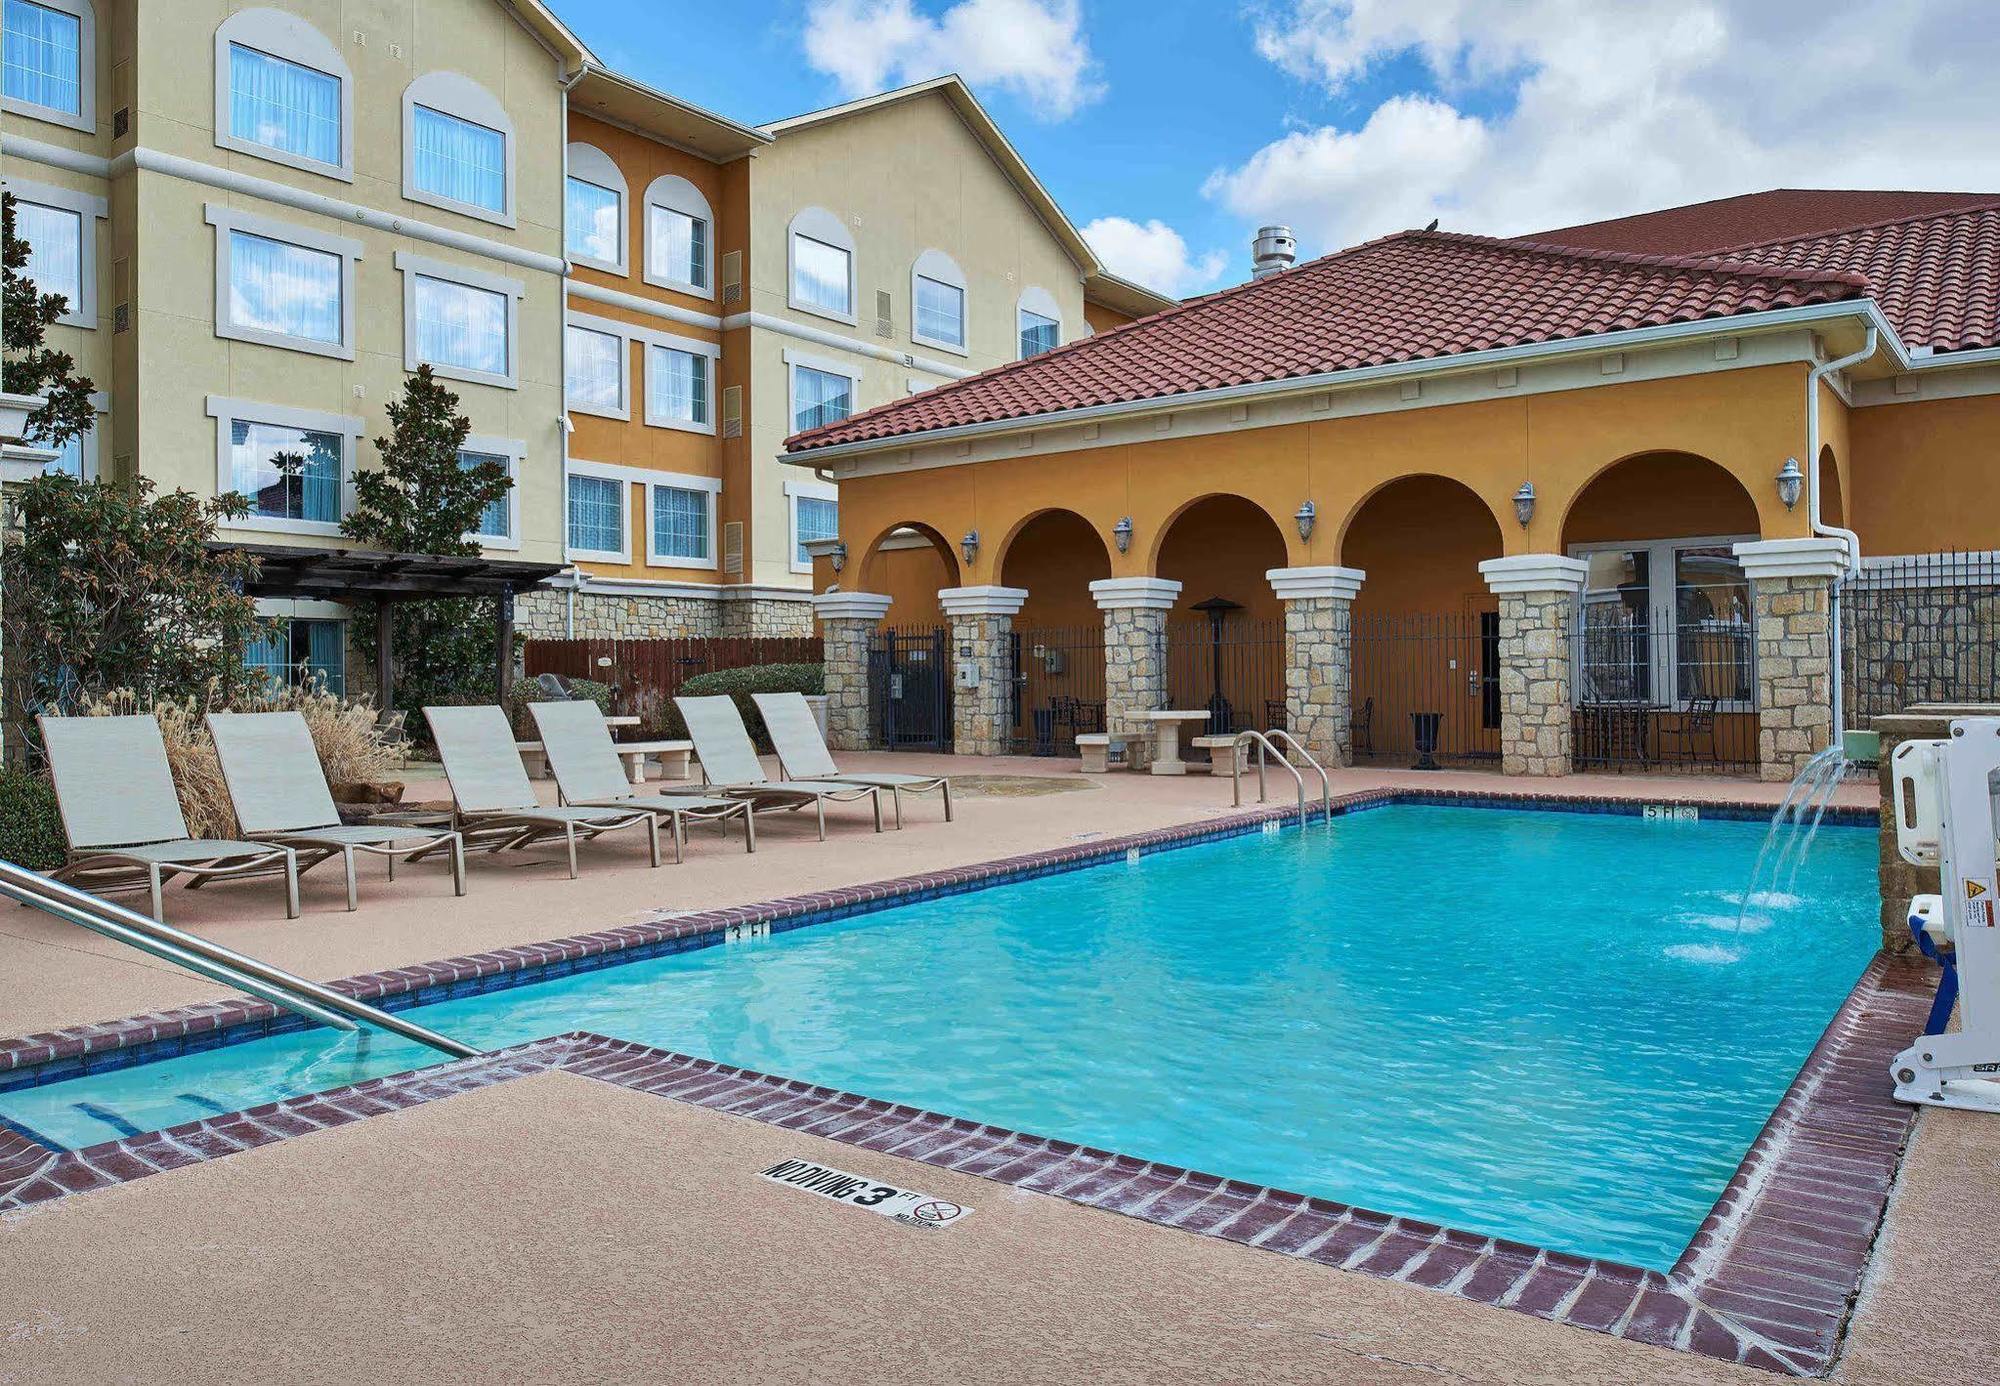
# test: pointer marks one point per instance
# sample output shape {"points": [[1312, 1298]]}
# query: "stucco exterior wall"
{"points": [[1924, 475]]}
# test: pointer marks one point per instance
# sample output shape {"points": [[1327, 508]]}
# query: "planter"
{"points": [[14, 411], [817, 702]]}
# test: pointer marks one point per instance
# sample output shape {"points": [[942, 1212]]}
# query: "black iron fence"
{"points": [[1058, 688], [1234, 668], [909, 688], [1426, 687], [1920, 628], [1660, 688]]}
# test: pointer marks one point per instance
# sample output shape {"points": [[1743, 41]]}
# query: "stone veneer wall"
{"points": [[846, 642], [1921, 641], [1535, 717], [1319, 654], [980, 717], [544, 615], [1135, 668], [767, 618], [1794, 672]]}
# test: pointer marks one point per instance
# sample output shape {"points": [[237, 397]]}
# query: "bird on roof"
{"points": [[1433, 226]]}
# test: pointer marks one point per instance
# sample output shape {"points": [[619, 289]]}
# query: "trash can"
{"points": [[1424, 730]]}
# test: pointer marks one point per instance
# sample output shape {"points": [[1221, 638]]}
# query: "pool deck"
{"points": [[1056, 1289]]}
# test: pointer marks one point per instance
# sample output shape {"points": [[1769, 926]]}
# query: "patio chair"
{"points": [[123, 818], [802, 752], [584, 760], [1681, 738], [492, 799], [729, 763], [1361, 728], [280, 795]]}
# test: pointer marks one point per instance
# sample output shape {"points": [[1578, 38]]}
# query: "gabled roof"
{"points": [[1417, 295], [1124, 296], [541, 21], [1703, 228], [632, 103]]}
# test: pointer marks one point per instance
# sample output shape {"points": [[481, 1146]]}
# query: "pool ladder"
{"points": [[310, 1000], [1268, 745]]}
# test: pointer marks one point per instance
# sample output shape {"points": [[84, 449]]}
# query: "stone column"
{"points": [[1135, 650], [847, 621], [1791, 592], [1537, 594], [1319, 657], [982, 620]]}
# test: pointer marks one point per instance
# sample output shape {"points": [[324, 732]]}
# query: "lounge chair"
{"points": [[729, 763], [584, 760], [123, 817], [492, 801], [281, 795], [803, 753]]}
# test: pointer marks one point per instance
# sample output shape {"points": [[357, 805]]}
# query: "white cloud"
{"points": [[1153, 254], [1035, 49], [1542, 113]]}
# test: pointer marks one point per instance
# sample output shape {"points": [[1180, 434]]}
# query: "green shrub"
{"points": [[31, 832], [739, 684], [527, 691]]}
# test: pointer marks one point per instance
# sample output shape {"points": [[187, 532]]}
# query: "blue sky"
{"points": [[1169, 129]]}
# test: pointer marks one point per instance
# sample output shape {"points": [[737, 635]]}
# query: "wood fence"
{"points": [[648, 672]]}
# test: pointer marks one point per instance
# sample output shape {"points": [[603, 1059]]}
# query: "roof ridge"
{"points": [[1985, 204], [1637, 259]]}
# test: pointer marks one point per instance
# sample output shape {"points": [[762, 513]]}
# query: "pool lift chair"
{"points": [[1947, 798]]}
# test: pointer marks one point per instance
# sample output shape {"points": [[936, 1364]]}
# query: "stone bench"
{"points": [[673, 758], [1213, 743], [1096, 749]]}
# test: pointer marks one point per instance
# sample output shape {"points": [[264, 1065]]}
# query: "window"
{"points": [[459, 321], [1665, 623], [594, 377], [681, 526], [679, 236], [1038, 334], [815, 514], [292, 465], [76, 458], [47, 68], [677, 386], [597, 526], [284, 93], [298, 653], [55, 248], [819, 397], [594, 209], [496, 527], [458, 147], [822, 265], [282, 285], [937, 302]]}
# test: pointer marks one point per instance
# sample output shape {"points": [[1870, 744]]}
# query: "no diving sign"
{"points": [[905, 1206]]}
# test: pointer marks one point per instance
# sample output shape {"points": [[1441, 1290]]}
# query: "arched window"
{"points": [[283, 93], [680, 237], [594, 210], [1039, 318], [458, 147], [820, 256], [937, 302]]}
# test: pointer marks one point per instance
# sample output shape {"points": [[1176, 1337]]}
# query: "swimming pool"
{"points": [[1545, 1026]]}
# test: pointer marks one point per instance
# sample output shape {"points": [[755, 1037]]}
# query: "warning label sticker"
{"points": [[904, 1205], [1974, 889]]}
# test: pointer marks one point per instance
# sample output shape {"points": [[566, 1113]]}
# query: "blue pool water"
{"points": [[1544, 1026]]}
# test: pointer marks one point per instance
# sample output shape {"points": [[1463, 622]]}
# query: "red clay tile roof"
{"points": [[1413, 296], [1704, 228]]}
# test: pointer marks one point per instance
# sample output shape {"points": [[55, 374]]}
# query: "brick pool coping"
{"points": [[1768, 1279]]}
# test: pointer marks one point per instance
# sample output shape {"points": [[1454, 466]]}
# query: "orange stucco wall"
{"points": [[1103, 319], [1056, 557], [1924, 477], [912, 577]]}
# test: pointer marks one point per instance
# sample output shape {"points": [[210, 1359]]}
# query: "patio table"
{"points": [[1167, 753]]}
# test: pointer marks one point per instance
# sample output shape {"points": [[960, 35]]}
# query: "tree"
{"points": [[424, 500], [30, 367]]}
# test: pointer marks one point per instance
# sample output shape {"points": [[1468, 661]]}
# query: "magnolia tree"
{"points": [[29, 366]]}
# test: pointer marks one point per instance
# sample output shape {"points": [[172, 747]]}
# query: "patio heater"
{"points": [[1217, 610]]}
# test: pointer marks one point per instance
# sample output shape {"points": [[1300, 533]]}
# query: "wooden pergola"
{"points": [[363, 575]]}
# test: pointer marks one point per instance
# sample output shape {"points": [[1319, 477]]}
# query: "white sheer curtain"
{"points": [[596, 514], [940, 311], [593, 221], [55, 248], [676, 246], [43, 62], [282, 288], [680, 523], [460, 325], [594, 379], [284, 105], [819, 274], [680, 386], [819, 397], [460, 160]]}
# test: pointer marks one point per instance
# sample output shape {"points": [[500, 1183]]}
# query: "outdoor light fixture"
{"points": [[1524, 503], [837, 555], [1305, 515], [1121, 534], [1790, 482], [969, 546]]}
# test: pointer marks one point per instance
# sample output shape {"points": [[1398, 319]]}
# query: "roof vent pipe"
{"points": [[1274, 249]]}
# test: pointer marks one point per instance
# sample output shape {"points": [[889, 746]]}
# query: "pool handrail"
{"points": [[1266, 749], [1282, 738], [206, 958]]}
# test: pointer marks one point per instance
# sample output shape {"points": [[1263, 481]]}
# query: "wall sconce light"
{"points": [[969, 546], [1524, 503], [1791, 481], [837, 556], [1121, 534], [1306, 515]]}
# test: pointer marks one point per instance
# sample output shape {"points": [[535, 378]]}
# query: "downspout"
{"points": [[1820, 526], [568, 84]]}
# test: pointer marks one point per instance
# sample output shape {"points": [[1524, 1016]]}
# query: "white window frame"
{"points": [[604, 471], [1039, 301], [455, 94], [1666, 674], [90, 210], [676, 194], [818, 224], [681, 481], [513, 290], [829, 366], [227, 411], [794, 492], [607, 328], [85, 118], [940, 268], [228, 219], [291, 38], [588, 164], [515, 450], [663, 342]]}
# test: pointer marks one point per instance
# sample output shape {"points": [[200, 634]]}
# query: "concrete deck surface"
{"points": [[556, 1229]]}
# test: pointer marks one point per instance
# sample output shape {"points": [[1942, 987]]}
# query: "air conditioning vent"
{"points": [[121, 317], [732, 276], [885, 314], [121, 123], [732, 411], [732, 548]]}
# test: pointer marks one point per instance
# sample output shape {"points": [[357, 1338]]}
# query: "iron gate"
{"points": [[1232, 666], [909, 688], [1058, 688], [1425, 687], [1920, 628]]}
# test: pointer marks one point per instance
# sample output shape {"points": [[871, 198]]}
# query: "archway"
{"points": [[1832, 500], [1225, 635], [1055, 555], [1058, 635], [910, 562], [1426, 630], [1664, 658]]}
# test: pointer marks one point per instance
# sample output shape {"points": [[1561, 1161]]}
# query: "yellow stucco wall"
{"points": [[1924, 475]]}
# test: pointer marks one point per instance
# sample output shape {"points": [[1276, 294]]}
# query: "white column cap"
{"points": [[1818, 557], [1534, 572], [1135, 593], [981, 601], [1293, 584], [851, 606]]}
